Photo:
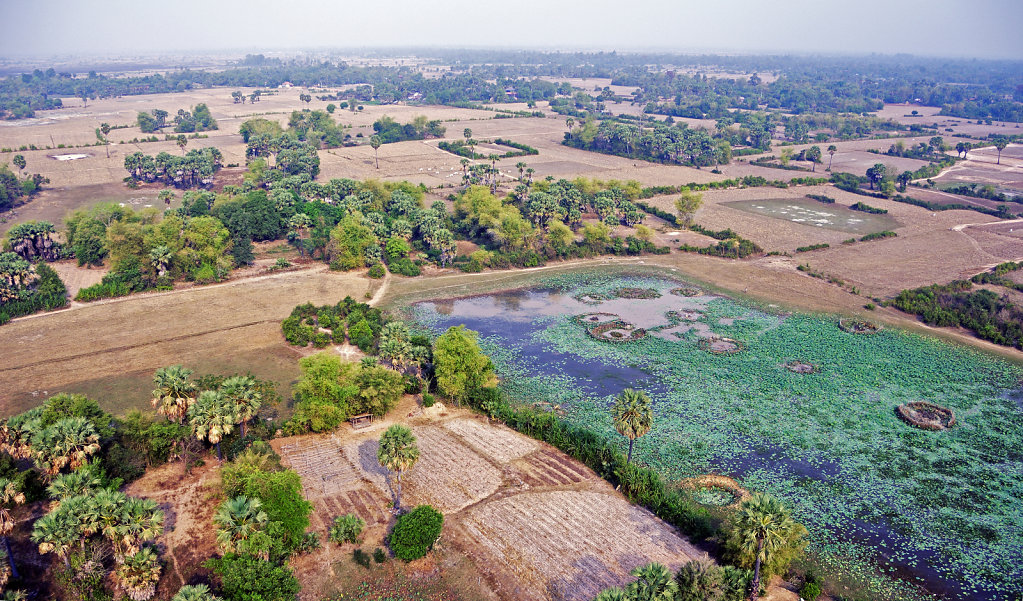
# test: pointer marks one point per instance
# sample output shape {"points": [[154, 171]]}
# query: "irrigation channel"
{"points": [[785, 403]]}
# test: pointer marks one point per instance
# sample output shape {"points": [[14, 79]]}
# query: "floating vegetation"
{"points": [[596, 318], [637, 293], [858, 326], [687, 291], [891, 507], [721, 345], [591, 298], [926, 416], [802, 367], [616, 331], [677, 317]]}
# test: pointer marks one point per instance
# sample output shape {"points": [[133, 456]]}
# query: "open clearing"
{"points": [[109, 349], [538, 524]]}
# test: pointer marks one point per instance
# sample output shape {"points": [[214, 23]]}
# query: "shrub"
{"points": [[281, 494], [346, 529], [810, 591], [428, 399], [415, 533], [246, 578], [360, 557], [405, 267], [379, 555], [878, 236], [376, 271]]}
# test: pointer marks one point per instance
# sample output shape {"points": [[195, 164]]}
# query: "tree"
{"points": [[242, 392], [467, 134], [375, 143], [331, 108], [69, 442], [104, 128], [686, 206], [612, 594], [55, 532], [632, 416], [1000, 143], [763, 534], [299, 224], [212, 417], [138, 574], [395, 344], [832, 149], [904, 178], [19, 162], [236, 521], [174, 393], [700, 580], [166, 196], [398, 453], [459, 363], [654, 582], [10, 495], [182, 141], [813, 154], [306, 98], [876, 174]]}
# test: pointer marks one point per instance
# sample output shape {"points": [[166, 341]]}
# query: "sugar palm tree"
{"points": [[160, 258], [138, 574], [612, 594], [10, 495], [632, 416], [69, 442], [195, 592], [762, 526], [654, 582], [212, 417], [395, 346], [139, 521], [298, 224], [241, 391], [237, 520], [521, 166], [831, 151], [398, 453], [54, 532], [174, 392], [74, 484], [375, 142]]}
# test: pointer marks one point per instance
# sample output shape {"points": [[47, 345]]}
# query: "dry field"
{"points": [[538, 524], [109, 349], [982, 168]]}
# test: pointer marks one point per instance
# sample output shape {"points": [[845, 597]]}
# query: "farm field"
{"points": [[521, 510], [109, 349], [874, 492]]}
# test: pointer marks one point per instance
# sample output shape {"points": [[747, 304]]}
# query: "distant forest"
{"points": [[974, 89]]}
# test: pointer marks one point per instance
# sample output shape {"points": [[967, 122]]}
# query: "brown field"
{"points": [[109, 349], [521, 510]]}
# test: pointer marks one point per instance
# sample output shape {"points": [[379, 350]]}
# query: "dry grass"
{"points": [[109, 349]]}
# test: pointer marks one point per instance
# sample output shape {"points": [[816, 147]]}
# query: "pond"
{"points": [[817, 214], [940, 509]]}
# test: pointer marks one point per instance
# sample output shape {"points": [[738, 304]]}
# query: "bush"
{"points": [[878, 236], [404, 267], [810, 591], [346, 529], [428, 399], [245, 578], [360, 557], [379, 555], [281, 494], [376, 271], [415, 533]]}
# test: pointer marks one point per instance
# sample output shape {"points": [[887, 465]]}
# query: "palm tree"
{"points": [[375, 143], [74, 484], [182, 141], [1000, 143], [762, 526], [69, 442], [174, 393], [55, 532], [241, 391], [398, 453], [138, 522], [160, 257], [612, 594], [299, 223], [632, 416], [395, 346], [236, 521], [521, 166], [10, 495], [212, 417], [831, 151], [195, 592], [654, 582], [139, 574]]}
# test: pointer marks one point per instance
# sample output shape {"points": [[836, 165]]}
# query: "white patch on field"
{"points": [[68, 157]]}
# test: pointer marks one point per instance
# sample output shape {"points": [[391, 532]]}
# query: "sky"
{"points": [[953, 28]]}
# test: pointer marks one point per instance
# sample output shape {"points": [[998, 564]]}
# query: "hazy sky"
{"points": [[972, 28]]}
